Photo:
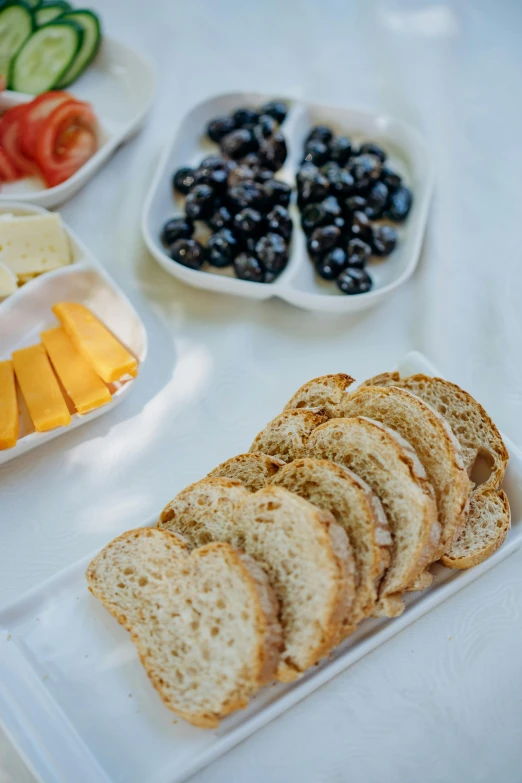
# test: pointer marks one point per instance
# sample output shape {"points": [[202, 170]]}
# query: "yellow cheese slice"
{"points": [[106, 355], [9, 420], [32, 244], [79, 380], [40, 389]]}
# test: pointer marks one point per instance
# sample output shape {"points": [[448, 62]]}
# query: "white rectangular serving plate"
{"points": [[78, 705], [298, 283], [120, 84], [26, 313]]}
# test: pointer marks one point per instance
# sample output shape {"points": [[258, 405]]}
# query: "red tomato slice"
{"points": [[66, 141], [37, 112], [10, 140], [8, 173]]}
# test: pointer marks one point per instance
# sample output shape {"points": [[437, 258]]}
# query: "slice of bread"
{"points": [[432, 439], [204, 623], [254, 471], [304, 551], [389, 465], [480, 441], [358, 510], [285, 436], [327, 391]]}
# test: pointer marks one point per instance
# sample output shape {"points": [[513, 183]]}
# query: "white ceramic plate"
{"points": [[27, 312], [78, 705], [120, 84], [298, 283]]}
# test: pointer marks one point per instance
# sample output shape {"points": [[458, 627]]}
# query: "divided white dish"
{"points": [[78, 705], [26, 313], [120, 84], [298, 283]]}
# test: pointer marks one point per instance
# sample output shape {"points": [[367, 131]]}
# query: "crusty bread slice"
{"points": [[327, 391], [479, 439], [254, 471], [358, 510], [285, 436], [432, 439], [204, 623], [389, 465], [304, 551]]}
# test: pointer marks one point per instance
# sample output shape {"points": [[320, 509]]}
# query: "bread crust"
{"points": [[326, 391], [285, 436], [253, 470]]}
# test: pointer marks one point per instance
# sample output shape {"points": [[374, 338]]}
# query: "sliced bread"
{"points": [[388, 464], [480, 441], [327, 391], [358, 510], [433, 441], [304, 551], [285, 436], [254, 471], [204, 623]]}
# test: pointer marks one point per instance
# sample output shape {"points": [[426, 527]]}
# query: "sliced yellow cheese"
{"points": [[106, 355], [9, 420], [40, 389], [8, 282], [32, 244], [79, 380]]}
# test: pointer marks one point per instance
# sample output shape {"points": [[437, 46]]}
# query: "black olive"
{"points": [[312, 186], [215, 177], [272, 251], [359, 253], [276, 109], [263, 175], [332, 209], [183, 180], [273, 152], [340, 150], [361, 227], [222, 247], [354, 281], [187, 252], [247, 267], [280, 222], [372, 149], [248, 223], [391, 179], [265, 127], [240, 174], [354, 204], [277, 192], [238, 143], [384, 240], [399, 204], [341, 223], [176, 228], [220, 219], [247, 194], [315, 152], [251, 160], [245, 118], [377, 197], [200, 202], [332, 264], [341, 181], [320, 133], [312, 216], [322, 240], [214, 162], [220, 127], [365, 170]]}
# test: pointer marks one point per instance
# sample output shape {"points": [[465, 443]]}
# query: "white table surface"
{"points": [[442, 701]]}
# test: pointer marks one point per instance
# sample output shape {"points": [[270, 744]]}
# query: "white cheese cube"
{"points": [[7, 282], [32, 244]]}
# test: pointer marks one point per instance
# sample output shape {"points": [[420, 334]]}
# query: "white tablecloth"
{"points": [[443, 700]]}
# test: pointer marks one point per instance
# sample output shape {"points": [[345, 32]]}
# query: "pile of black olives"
{"points": [[341, 191], [236, 194]]}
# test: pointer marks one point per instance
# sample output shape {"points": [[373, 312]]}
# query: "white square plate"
{"points": [[298, 283], [26, 313], [120, 84], [78, 705]]}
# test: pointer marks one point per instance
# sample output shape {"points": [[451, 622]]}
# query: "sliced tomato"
{"points": [[67, 139], [8, 173], [37, 112], [10, 140]]}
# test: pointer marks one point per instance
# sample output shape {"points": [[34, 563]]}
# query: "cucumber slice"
{"points": [[45, 57], [46, 12], [32, 3], [91, 41], [16, 25]]}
